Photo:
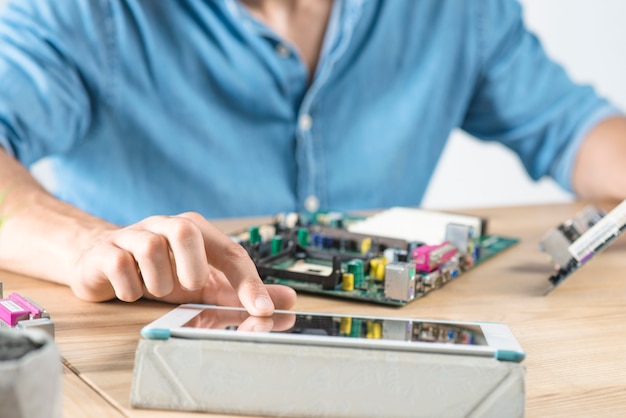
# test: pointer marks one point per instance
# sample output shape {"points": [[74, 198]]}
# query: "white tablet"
{"points": [[485, 339]]}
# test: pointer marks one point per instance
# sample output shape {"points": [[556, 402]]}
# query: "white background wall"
{"points": [[587, 37]]}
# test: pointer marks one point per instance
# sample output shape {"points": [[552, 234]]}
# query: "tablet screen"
{"points": [[346, 327]]}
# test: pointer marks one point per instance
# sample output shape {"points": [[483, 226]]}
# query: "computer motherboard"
{"points": [[392, 258], [574, 242]]}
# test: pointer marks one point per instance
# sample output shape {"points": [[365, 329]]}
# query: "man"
{"points": [[156, 115]]}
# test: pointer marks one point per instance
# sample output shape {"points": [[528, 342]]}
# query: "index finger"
{"points": [[233, 260]]}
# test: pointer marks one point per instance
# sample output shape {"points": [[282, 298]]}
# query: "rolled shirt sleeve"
{"points": [[526, 101]]}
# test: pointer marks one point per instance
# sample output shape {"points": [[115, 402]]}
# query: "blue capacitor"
{"points": [[316, 240], [477, 252], [451, 335]]}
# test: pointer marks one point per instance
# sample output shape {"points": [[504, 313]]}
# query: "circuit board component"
{"points": [[574, 242], [20, 312], [320, 254]]}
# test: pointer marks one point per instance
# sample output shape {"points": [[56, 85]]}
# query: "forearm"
{"points": [[600, 166], [178, 259], [40, 236]]}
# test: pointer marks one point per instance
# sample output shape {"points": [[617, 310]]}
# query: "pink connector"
{"points": [[34, 310], [11, 313], [429, 257]]}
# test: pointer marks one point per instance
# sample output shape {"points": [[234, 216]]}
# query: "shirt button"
{"points": [[282, 50], [312, 203], [306, 122]]}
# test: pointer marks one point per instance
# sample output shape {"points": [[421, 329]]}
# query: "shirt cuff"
{"points": [[562, 170]]}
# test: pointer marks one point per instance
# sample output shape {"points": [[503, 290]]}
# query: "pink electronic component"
{"points": [[429, 257], [35, 311], [20, 312], [11, 312]]}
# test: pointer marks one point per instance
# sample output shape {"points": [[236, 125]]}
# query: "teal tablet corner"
{"points": [[156, 333]]}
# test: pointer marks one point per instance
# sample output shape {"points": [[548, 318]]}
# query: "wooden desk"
{"points": [[575, 338]]}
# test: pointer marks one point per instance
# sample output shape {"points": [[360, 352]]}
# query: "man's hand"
{"points": [[178, 259]]}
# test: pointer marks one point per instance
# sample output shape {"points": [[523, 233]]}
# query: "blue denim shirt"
{"points": [[158, 107]]}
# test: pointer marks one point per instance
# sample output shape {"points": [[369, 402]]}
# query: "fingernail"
{"points": [[263, 303]]}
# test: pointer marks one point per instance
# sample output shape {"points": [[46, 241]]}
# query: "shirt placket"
{"points": [[312, 190], [311, 187]]}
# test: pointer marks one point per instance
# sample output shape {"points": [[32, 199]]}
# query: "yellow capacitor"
{"points": [[348, 281], [366, 245], [377, 330], [345, 326], [374, 330], [377, 268], [380, 271], [374, 262]]}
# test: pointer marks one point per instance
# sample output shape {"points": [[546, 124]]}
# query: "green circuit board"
{"points": [[323, 257]]}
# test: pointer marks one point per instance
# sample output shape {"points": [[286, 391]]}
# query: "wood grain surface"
{"points": [[575, 338]]}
